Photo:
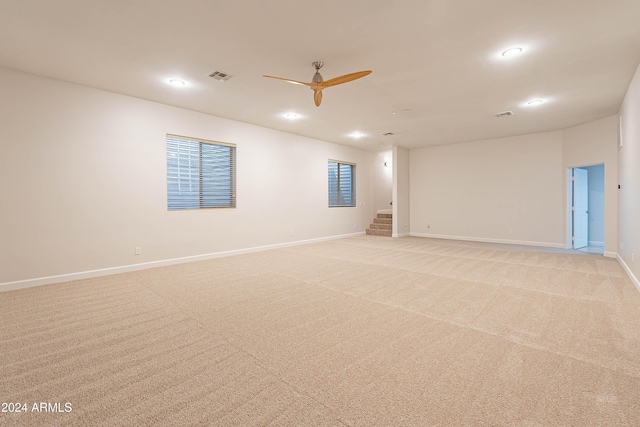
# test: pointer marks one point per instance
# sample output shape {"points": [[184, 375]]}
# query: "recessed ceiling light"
{"points": [[176, 82], [356, 135], [514, 51], [534, 102], [291, 116]]}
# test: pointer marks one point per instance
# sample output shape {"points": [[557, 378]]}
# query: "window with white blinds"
{"points": [[341, 184], [200, 174]]}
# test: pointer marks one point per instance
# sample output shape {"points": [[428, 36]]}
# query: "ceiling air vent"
{"points": [[219, 75], [504, 113]]}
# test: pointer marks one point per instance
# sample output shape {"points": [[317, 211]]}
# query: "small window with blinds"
{"points": [[341, 184], [200, 174]]}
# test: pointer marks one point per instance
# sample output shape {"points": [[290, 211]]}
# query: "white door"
{"points": [[580, 208]]}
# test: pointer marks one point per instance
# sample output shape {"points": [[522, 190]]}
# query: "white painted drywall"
{"points": [[83, 182], [595, 143], [511, 189], [401, 192], [383, 180], [629, 180], [502, 190]]}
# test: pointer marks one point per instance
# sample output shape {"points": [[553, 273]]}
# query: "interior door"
{"points": [[580, 208]]}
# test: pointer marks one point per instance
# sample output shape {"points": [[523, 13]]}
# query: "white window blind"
{"points": [[341, 184], [200, 174]]}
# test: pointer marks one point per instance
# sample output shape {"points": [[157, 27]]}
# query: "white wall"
{"points": [[596, 204], [629, 180], [83, 182], [401, 192], [383, 181], [511, 190], [595, 143], [500, 190]]}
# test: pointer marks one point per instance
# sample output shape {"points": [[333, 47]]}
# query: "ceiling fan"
{"points": [[318, 83]]}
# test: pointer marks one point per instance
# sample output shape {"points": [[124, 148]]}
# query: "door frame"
{"points": [[569, 202]]}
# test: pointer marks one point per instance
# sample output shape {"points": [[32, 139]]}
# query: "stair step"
{"points": [[382, 220], [385, 215], [380, 226], [371, 232]]}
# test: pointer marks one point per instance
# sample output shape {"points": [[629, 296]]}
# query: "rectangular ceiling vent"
{"points": [[219, 75], [504, 113]]}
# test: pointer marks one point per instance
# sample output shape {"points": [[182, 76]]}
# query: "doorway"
{"points": [[585, 188]]}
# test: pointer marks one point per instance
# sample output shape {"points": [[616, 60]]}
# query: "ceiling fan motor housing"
{"points": [[317, 78]]}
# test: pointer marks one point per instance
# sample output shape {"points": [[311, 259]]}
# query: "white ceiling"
{"points": [[436, 63]]}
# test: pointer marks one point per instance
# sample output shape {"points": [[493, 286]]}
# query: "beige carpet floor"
{"points": [[365, 331]]}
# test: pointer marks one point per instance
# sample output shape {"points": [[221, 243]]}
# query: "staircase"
{"points": [[381, 225]]}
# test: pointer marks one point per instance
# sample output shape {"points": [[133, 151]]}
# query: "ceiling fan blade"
{"points": [[295, 82], [344, 79], [317, 84], [317, 97]]}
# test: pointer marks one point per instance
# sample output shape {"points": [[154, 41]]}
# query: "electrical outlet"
{"points": [[631, 257], [510, 231], [293, 232], [138, 250], [621, 246]]}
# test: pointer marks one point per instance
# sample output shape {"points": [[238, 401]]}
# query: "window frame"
{"points": [[192, 171], [338, 184]]}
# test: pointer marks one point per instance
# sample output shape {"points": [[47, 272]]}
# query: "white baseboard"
{"points": [[626, 268], [385, 211], [490, 240], [21, 284], [610, 254], [594, 243], [400, 235]]}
